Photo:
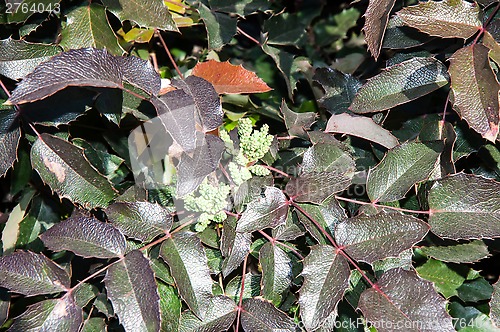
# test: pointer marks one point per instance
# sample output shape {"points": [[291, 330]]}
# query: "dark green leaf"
{"points": [[399, 36], [10, 134], [340, 89], [297, 123], [187, 260], [170, 306], [376, 18], [475, 290], [252, 287], [458, 253], [57, 315], [86, 237], [294, 34], [147, 13], [234, 246], [261, 316], [276, 272], [64, 168], [400, 84], [94, 324], [400, 169], [31, 274], [290, 230], [4, 305], [286, 64], [446, 279], [495, 303], [241, 7], [326, 277], [220, 27], [132, 290], [140, 220], [465, 207], [422, 309], [371, 238], [84, 293], [87, 26], [264, 212], [220, 315]]}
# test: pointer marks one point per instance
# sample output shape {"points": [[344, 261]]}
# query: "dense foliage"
{"points": [[249, 165]]}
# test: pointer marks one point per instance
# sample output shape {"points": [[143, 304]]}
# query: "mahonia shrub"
{"points": [[249, 165]]}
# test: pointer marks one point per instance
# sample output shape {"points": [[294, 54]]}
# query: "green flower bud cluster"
{"points": [[239, 173], [211, 201], [254, 144]]}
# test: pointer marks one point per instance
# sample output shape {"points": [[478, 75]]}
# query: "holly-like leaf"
{"points": [[57, 315], [260, 315], [140, 220], [220, 315], [421, 308], [132, 290], [228, 78], [361, 126], [10, 134], [371, 238], [399, 84], [465, 206], [400, 169], [276, 272], [19, 57], [340, 89], [87, 26], [220, 27], [86, 237], [32, 274], [242, 7], [286, 64], [234, 246], [326, 277], [294, 34], [187, 260], [264, 212], [475, 90], [297, 123], [85, 67], [446, 18], [458, 253], [64, 168], [376, 19], [147, 13], [208, 110]]}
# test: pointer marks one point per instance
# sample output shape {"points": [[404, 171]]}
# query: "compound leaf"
{"points": [[475, 90], [133, 292], [465, 206], [376, 19], [260, 315], [371, 238], [65, 169], [422, 309], [86, 237], [228, 78], [264, 212], [57, 315], [187, 260], [326, 277], [446, 18], [140, 220], [30, 274], [399, 84], [400, 169]]}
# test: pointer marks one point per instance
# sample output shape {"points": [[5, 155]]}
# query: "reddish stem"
{"points": [[275, 170], [482, 29], [158, 33], [275, 241], [247, 35], [340, 198], [242, 289]]}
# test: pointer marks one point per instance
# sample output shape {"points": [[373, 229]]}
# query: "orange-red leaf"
{"points": [[228, 78]]}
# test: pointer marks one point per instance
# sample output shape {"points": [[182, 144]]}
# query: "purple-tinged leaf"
{"points": [[4, 305], [371, 238], [220, 315], [276, 272], [194, 167], [376, 19], [360, 126], [264, 212], [132, 290], [208, 109], [326, 278], [57, 315], [495, 304], [475, 90], [399, 36], [85, 67], [252, 287], [470, 252], [297, 123], [399, 84], [290, 230], [94, 324], [400, 169], [259, 315], [64, 168], [447, 18], [146, 13], [234, 246], [140, 220], [420, 309], [19, 57], [465, 206], [10, 134], [32, 274], [86, 237], [88, 26], [328, 215], [188, 264]]}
